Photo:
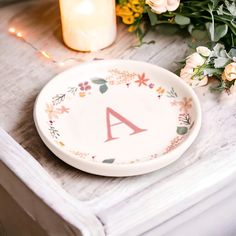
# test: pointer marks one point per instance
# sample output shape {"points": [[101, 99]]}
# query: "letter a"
{"points": [[123, 120]]}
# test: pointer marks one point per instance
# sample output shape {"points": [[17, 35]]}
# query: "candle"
{"points": [[88, 25]]}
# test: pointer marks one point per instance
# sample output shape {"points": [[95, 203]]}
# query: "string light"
{"points": [[19, 35], [12, 30], [46, 55]]}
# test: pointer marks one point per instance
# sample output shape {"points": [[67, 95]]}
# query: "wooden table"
{"points": [[66, 201]]}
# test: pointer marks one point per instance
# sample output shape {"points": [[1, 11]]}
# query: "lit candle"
{"points": [[88, 25]]}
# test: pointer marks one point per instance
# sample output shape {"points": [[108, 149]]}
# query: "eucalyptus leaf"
{"points": [[220, 32], [199, 34], [182, 20], [232, 53], [152, 16], [216, 31], [190, 28]]}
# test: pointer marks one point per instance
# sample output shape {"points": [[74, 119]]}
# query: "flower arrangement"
{"points": [[212, 24]]}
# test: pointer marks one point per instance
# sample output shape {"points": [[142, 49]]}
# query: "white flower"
{"points": [[195, 60], [204, 51], [160, 6], [187, 73]]}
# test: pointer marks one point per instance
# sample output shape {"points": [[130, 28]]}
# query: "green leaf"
{"points": [[215, 3], [99, 81], [216, 31], [108, 160], [219, 51], [182, 20], [103, 88], [181, 130], [152, 16], [221, 62], [212, 71], [231, 8], [220, 10], [199, 34], [232, 53], [220, 32]]}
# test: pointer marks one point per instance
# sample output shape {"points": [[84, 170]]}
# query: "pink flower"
{"points": [[151, 86], [84, 86], [194, 61], [160, 6], [63, 109]]}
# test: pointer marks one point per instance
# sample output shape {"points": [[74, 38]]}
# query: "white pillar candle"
{"points": [[88, 25]]}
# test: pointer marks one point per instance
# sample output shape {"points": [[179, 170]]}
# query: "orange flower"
{"points": [[229, 72]]}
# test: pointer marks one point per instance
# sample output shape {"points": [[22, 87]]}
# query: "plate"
{"points": [[117, 117]]}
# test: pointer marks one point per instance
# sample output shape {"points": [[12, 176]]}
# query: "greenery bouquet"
{"points": [[211, 23]]}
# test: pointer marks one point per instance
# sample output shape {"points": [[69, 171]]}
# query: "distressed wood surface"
{"points": [[124, 205], [37, 184]]}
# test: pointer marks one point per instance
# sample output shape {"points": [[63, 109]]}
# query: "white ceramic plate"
{"points": [[117, 117]]}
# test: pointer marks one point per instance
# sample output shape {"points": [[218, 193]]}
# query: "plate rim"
{"points": [[168, 158]]}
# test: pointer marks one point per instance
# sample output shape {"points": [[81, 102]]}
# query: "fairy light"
{"points": [[12, 30], [61, 63], [45, 54], [19, 35]]}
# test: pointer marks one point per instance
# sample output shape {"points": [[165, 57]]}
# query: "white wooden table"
{"points": [[66, 201]]}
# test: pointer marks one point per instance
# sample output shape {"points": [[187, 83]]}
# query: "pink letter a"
{"points": [[122, 120]]}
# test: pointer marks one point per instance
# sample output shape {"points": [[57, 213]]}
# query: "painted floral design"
{"points": [[142, 80], [56, 108], [53, 112], [174, 143], [116, 77], [184, 105], [171, 93], [160, 91], [151, 85], [59, 98], [53, 131], [63, 110], [84, 86]]}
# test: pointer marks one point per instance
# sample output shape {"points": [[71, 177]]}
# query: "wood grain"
{"points": [[34, 182], [124, 205]]}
